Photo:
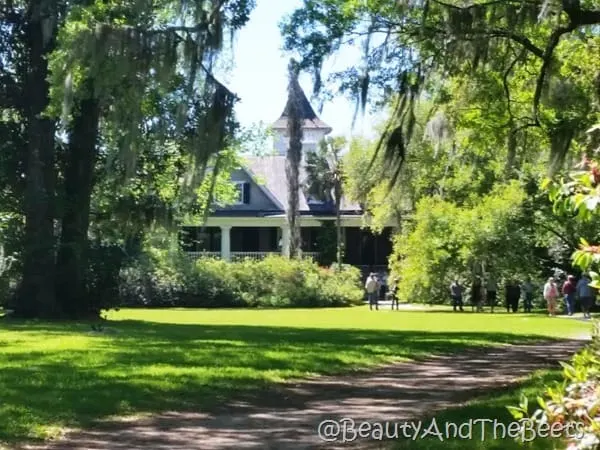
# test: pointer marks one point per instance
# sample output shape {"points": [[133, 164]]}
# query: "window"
{"points": [[243, 193]]}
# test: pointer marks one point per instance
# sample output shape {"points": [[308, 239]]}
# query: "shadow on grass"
{"points": [[64, 375]]}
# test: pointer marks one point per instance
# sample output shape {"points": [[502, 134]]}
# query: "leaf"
{"points": [[546, 184], [517, 413], [542, 403], [568, 370], [524, 402]]}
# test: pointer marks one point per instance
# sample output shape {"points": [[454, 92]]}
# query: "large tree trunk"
{"points": [[72, 261], [36, 294], [294, 158]]}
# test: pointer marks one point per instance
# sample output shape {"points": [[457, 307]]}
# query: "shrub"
{"points": [[574, 403], [102, 277], [163, 278]]}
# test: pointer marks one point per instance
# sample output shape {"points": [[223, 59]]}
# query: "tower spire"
{"points": [[307, 113]]}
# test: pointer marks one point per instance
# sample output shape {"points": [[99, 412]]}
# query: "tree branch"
{"points": [[577, 18], [524, 41]]}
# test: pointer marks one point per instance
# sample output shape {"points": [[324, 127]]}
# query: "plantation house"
{"points": [[256, 224]]}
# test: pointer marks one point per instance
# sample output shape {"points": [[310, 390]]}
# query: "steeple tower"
{"points": [[314, 129]]}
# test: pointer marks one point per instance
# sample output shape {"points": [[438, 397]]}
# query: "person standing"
{"points": [[527, 289], [513, 293], [476, 292], [569, 289], [372, 288], [393, 292], [456, 293], [586, 295], [550, 295], [491, 291], [383, 285]]}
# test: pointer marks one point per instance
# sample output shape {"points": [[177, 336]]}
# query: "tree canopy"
{"points": [[114, 121], [530, 62]]}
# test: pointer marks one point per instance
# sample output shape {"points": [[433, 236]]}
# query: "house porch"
{"points": [[258, 237]]}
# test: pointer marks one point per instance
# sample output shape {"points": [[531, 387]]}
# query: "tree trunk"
{"points": [[35, 297], [72, 261], [293, 161], [338, 225]]}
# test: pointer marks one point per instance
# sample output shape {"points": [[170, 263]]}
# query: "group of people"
{"points": [[572, 290], [482, 293], [486, 293], [377, 288]]}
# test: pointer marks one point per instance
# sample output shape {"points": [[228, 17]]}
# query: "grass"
{"points": [[492, 407], [54, 375]]}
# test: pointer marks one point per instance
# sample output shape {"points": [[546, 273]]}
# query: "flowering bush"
{"points": [[577, 400], [580, 197], [575, 403], [165, 278]]}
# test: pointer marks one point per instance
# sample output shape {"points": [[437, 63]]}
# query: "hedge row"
{"points": [[161, 279]]}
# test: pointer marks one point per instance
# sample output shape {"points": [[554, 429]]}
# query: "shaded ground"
{"points": [[288, 417]]}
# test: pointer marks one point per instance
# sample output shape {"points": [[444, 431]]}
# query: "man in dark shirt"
{"points": [[569, 289]]}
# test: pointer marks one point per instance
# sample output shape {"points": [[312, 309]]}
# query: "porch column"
{"points": [[226, 242], [285, 241]]}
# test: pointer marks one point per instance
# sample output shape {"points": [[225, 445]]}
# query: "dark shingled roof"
{"points": [[311, 120], [270, 172]]}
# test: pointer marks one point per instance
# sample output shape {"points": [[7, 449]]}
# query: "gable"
{"points": [[270, 170], [254, 196]]}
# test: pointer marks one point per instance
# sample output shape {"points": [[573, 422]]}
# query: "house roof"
{"points": [[270, 172], [311, 120]]}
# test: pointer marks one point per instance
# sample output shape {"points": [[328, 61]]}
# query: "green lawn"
{"points": [[55, 375]]}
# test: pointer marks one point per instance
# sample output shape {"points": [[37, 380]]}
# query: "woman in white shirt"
{"points": [[550, 295]]}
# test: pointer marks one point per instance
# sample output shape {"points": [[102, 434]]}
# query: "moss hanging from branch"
{"points": [[141, 57]]}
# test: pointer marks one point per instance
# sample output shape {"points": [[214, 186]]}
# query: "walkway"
{"points": [[289, 416]]}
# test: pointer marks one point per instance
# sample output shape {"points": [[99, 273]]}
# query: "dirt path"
{"points": [[289, 417]]}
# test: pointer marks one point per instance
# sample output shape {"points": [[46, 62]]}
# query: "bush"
{"points": [[102, 277], [162, 278], [575, 402]]}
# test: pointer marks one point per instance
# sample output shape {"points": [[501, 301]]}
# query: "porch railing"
{"points": [[198, 255], [237, 256], [310, 255]]}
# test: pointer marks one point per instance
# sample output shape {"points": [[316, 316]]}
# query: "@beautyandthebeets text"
{"points": [[525, 430]]}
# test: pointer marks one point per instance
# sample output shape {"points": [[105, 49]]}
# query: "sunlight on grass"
{"points": [[434, 319], [493, 407], [57, 375]]}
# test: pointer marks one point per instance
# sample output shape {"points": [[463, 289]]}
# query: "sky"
{"points": [[259, 76]]}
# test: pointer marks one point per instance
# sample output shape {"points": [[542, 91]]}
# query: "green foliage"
{"points": [[446, 241], [370, 188], [162, 144], [573, 402], [576, 399], [326, 243], [171, 278], [524, 69], [325, 182], [255, 139], [579, 199]]}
